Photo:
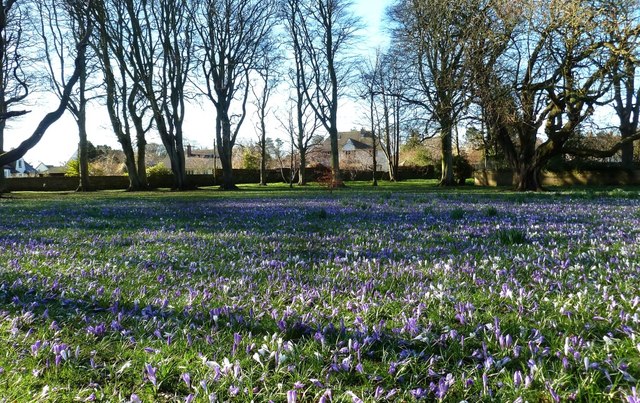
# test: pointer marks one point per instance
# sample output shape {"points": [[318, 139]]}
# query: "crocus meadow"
{"points": [[347, 296]]}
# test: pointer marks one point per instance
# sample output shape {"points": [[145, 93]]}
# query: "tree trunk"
{"points": [[227, 173], [447, 178], [627, 150], [141, 146], [373, 138], [392, 172], [291, 165], [3, 185], [182, 181], [387, 134], [336, 177], [302, 147], [135, 184], [302, 172], [528, 178], [223, 136], [83, 145], [263, 155], [396, 139]]}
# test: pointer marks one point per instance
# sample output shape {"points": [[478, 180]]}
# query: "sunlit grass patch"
{"points": [[403, 293]]}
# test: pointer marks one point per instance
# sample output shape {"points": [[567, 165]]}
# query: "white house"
{"points": [[356, 151], [43, 168], [19, 169]]}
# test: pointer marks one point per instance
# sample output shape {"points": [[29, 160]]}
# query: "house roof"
{"points": [[205, 153], [358, 139], [57, 170], [352, 145], [28, 169], [190, 151]]}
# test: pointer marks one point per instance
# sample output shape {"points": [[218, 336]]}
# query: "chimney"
{"points": [[189, 150]]}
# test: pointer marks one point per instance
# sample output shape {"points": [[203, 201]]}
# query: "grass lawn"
{"points": [[406, 292]]}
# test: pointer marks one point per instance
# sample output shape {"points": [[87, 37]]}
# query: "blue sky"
{"points": [[60, 142]]}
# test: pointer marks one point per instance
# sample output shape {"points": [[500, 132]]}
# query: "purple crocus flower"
{"points": [[443, 386], [97, 330], [517, 378], [326, 397], [150, 373], [553, 393], [291, 396], [186, 378], [528, 380], [35, 347], [419, 393], [61, 352], [237, 338], [378, 393]]}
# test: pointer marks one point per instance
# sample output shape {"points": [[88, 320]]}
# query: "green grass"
{"points": [[370, 291]]}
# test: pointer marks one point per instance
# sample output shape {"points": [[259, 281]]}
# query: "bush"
{"points": [[324, 176], [462, 169], [73, 168], [250, 158], [157, 171]]}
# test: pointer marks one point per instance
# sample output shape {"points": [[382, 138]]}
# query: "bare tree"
{"points": [[326, 29], [123, 86], [622, 23], [61, 30], [541, 66], [52, 117], [435, 33], [302, 129], [15, 81], [369, 72], [390, 90], [160, 56], [269, 78], [230, 36]]}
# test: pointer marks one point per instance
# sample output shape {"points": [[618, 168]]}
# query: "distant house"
{"points": [[356, 151], [56, 171], [19, 169], [199, 161], [42, 168]]}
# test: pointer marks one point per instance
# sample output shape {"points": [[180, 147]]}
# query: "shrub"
{"points": [[251, 158], [158, 170], [462, 169], [325, 178], [73, 168]]}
